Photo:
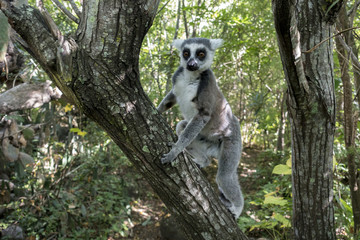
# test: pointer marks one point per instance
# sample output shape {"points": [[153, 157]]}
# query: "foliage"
{"points": [[79, 186], [343, 210], [270, 206]]}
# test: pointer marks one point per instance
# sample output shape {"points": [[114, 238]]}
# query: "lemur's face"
{"points": [[197, 53]]}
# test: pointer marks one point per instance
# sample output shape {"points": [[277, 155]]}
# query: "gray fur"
{"points": [[210, 129]]}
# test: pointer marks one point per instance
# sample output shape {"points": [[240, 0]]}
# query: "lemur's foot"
{"points": [[235, 211]]}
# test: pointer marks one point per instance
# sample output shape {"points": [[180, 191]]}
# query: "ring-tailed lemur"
{"points": [[210, 129]]}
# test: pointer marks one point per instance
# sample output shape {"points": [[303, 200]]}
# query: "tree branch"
{"points": [[348, 49], [76, 9], [67, 12], [44, 42], [27, 96], [327, 39], [355, 61], [162, 7], [352, 13], [29, 23], [185, 20], [49, 21]]}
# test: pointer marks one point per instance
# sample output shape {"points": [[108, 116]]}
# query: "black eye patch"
{"points": [[186, 53], [201, 53]]}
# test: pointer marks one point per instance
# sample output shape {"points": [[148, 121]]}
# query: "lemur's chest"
{"points": [[185, 90]]}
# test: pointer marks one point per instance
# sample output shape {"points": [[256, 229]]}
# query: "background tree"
{"points": [[311, 106], [347, 51]]}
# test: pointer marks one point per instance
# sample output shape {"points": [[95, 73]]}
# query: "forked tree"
{"points": [[98, 70]]}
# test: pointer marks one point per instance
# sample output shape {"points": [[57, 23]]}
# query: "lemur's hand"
{"points": [[170, 156]]}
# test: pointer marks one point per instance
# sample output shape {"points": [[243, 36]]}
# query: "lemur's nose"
{"points": [[192, 65]]}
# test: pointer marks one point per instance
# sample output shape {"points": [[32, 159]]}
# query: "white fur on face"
{"points": [[203, 65]]}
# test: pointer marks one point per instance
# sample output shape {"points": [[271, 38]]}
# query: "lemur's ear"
{"points": [[177, 43], [216, 43]]}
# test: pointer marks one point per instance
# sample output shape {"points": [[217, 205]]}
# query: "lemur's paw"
{"points": [[166, 158], [169, 157]]}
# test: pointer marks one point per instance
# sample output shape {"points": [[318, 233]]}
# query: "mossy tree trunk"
{"points": [[98, 70]]}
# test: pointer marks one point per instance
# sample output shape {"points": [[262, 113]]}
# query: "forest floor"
{"points": [[148, 210]]}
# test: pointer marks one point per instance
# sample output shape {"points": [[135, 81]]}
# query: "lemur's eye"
{"points": [[201, 55], [186, 54]]}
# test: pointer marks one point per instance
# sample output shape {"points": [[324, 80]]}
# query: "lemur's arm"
{"points": [[193, 128], [168, 102]]}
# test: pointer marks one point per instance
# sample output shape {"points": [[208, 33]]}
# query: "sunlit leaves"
{"points": [[78, 131], [283, 169]]}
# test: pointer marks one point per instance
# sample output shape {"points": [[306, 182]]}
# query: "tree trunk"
{"points": [[350, 125], [99, 71], [300, 25]]}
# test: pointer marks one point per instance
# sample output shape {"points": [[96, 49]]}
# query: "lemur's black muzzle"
{"points": [[192, 65]]}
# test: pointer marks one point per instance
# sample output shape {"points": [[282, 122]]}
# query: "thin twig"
{"points": [[327, 39], [355, 61], [356, 69], [65, 175], [185, 20], [162, 7], [351, 14], [26, 127], [67, 12], [76, 9]]}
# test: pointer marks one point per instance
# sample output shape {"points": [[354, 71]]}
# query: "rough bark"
{"points": [[350, 125], [98, 70], [300, 25]]}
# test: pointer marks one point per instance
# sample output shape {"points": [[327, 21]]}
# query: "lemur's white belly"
{"points": [[185, 93]]}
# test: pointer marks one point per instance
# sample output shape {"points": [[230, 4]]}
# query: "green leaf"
{"points": [[83, 210], [81, 133], [78, 131], [75, 130], [345, 206], [288, 162], [282, 169], [275, 200], [282, 219]]}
